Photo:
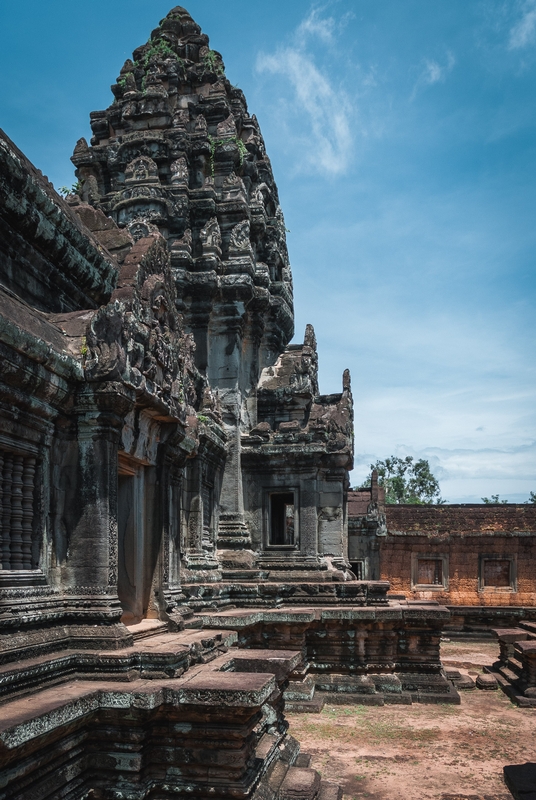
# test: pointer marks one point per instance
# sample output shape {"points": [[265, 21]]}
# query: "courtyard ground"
{"points": [[423, 752]]}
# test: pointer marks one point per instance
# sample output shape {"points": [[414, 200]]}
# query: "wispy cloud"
{"points": [[523, 32], [433, 72], [316, 25], [327, 143]]}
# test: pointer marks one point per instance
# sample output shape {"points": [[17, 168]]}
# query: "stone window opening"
{"points": [[429, 572], [17, 498], [497, 573], [282, 520]]}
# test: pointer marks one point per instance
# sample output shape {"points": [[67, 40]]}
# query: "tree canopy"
{"points": [[407, 481], [494, 499]]}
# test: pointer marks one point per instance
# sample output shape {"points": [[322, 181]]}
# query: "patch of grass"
{"points": [[369, 728]]}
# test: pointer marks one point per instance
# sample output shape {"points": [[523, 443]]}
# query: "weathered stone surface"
{"points": [[165, 451], [486, 552], [521, 780], [486, 681]]}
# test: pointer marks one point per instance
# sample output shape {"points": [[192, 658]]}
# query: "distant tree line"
{"points": [[494, 499], [406, 481], [409, 481]]}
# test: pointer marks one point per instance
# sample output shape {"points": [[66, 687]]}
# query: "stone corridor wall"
{"points": [[479, 560]]}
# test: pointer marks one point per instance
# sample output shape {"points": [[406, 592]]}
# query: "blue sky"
{"points": [[402, 135]]}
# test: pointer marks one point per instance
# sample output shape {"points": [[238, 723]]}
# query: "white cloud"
{"points": [[315, 25], [467, 475], [523, 33], [433, 72], [327, 143]]}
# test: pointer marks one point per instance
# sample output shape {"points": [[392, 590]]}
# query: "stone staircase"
{"points": [[515, 670], [297, 781]]}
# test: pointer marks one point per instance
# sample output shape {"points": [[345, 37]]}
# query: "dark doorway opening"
{"points": [[131, 541], [282, 519]]}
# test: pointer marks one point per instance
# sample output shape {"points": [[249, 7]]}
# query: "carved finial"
{"points": [[178, 10], [81, 148], [346, 381], [310, 338]]}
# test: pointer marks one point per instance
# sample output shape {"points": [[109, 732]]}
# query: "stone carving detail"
{"points": [[240, 238], [130, 82], [201, 124], [184, 243], [141, 170], [140, 340], [17, 474], [211, 235], [181, 118], [305, 374], [227, 128], [218, 88], [233, 189], [140, 229], [179, 171], [257, 195], [211, 403]]}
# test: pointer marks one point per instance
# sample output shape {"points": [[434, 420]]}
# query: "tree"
{"points": [[531, 500], [407, 481], [493, 499]]}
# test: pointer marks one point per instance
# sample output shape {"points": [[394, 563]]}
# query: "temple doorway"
{"points": [[131, 529]]}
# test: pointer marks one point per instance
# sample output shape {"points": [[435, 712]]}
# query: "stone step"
{"points": [[402, 699], [529, 626], [460, 680], [351, 699], [515, 665], [303, 760], [521, 780], [300, 576], [313, 706], [487, 681], [387, 683], [147, 628], [452, 698], [508, 674], [300, 690], [243, 575], [329, 791], [465, 684], [354, 684], [300, 783]]}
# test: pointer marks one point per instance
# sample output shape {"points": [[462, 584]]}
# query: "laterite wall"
{"points": [[462, 536]]}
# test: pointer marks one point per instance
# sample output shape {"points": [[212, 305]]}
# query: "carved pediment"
{"points": [[211, 235], [139, 339], [142, 170]]}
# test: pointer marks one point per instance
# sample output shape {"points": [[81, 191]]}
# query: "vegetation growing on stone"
{"points": [[160, 49]]}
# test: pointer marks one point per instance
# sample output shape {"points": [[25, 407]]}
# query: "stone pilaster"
{"points": [[90, 570]]}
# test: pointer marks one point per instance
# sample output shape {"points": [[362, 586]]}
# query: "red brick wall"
{"points": [[462, 533], [462, 518]]}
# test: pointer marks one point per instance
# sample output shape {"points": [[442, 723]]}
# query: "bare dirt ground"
{"points": [[423, 752]]}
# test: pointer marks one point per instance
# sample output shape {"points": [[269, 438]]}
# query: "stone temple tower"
{"points": [[179, 154]]}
